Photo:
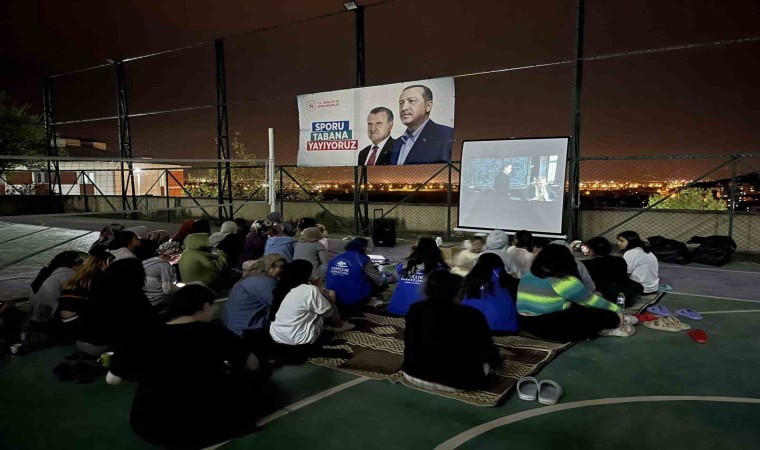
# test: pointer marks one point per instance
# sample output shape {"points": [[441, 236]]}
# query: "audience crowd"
{"points": [[148, 300]]}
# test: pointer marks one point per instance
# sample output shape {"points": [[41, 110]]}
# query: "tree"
{"points": [[246, 180], [689, 198], [21, 133]]}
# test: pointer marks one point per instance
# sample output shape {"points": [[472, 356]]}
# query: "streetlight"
{"points": [[350, 6]]}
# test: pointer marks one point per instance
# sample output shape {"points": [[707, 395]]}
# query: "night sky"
{"points": [[690, 101]]}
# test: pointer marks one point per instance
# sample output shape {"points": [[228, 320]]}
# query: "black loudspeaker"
{"points": [[384, 232]]}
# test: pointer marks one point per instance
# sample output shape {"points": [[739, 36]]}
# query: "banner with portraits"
{"points": [[393, 124]]}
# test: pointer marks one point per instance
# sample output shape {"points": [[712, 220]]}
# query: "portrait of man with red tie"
{"points": [[379, 126]]}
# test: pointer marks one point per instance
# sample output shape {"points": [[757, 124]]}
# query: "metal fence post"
{"points": [[448, 206], [168, 203], [86, 199], [732, 207], [282, 197]]}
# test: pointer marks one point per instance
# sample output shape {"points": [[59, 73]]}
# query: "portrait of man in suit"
{"points": [[502, 181], [423, 141], [379, 126]]}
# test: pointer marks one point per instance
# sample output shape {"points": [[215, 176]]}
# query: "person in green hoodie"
{"points": [[199, 264]]}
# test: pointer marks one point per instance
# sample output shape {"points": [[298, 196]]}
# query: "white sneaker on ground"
{"points": [[630, 320], [624, 331], [374, 302]]}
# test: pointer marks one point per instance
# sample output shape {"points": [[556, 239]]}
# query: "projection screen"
{"points": [[513, 184]]}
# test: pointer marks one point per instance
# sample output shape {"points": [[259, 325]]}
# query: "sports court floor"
{"points": [[655, 390]]}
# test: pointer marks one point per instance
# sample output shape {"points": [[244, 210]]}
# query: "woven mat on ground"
{"points": [[642, 302], [377, 346]]}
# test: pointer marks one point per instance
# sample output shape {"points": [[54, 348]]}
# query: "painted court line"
{"points": [[729, 312], [707, 268], [29, 234], [715, 296], [309, 400], [472, 433]]}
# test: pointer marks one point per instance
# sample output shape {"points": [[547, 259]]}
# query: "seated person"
{"points": [[227, 240], [299, 309], [304, 223], [553, 304], [323, 239], [250, 299], [192, 389], [124, 245], [147, 248], [199, 264], [255, 242], [160, 279], [610, 273], [184, 231], [120, 312], [496, 243], [542, 192], [425, 258], [106, 236], [310, 249], [275, 218], [643, 267], [200, 226], [520, 253], [47, 287], [75, 305], [280, 242], [539, 243], [488, 288], [353, 277], [447, 346], [466, 259]]}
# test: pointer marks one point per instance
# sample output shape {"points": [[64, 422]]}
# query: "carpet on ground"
{"points": [[377, 346]]}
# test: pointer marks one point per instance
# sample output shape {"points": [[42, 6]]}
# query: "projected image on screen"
{"points": [[513, 184]]}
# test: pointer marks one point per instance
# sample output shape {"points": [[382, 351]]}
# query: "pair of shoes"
{"points": [[630, 320], [671, 324], [547, 392], [624, 331]]}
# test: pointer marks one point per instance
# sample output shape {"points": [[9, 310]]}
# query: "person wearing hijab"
{"points": [[231, 242], [160, 279], [280, 242], [310, 249], [255, 242]]}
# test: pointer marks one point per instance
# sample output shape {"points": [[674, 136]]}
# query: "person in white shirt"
{"points": [[520, 253], [466, 259], [299, 308], [642, 263]]}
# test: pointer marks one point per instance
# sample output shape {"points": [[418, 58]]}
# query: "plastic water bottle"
{"points": [[621, 301]]}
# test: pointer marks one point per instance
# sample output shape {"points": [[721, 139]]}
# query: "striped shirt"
{"points": [[537, 296]]}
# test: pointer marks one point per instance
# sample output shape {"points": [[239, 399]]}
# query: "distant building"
{"points": [[94, 177]]}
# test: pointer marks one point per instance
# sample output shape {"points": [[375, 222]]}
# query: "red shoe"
{"points": [[698, 336], [647, 317]]}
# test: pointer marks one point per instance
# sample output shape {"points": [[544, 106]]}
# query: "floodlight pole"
{"points": [[51, 144], [575, 140], [125, 138], [361, 195], [224, 178]]}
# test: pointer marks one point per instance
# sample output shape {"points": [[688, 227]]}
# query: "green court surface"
{"points": [[655, 390]]}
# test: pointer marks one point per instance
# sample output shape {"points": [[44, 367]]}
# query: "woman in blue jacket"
{"points": [[487, 288], [425, 258]]}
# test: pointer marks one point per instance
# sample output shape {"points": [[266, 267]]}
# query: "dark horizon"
{"points": [[686, 101]]}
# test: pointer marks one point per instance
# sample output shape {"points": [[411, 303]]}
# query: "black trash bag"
{"points": [[669, 250], [713, 250]]}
